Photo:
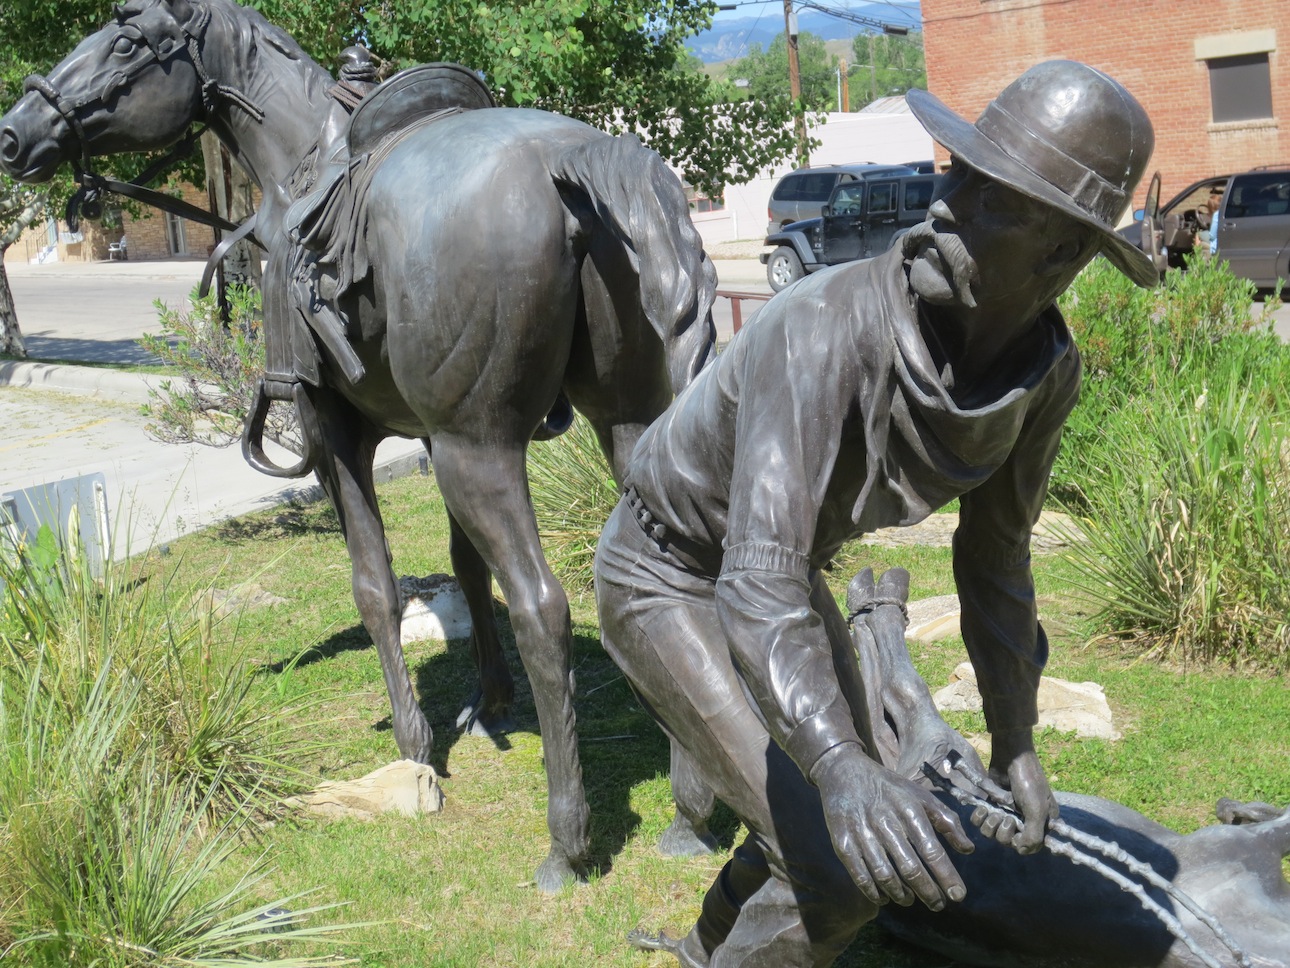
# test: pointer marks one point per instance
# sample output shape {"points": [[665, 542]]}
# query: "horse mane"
{"points": [[258, 37]]}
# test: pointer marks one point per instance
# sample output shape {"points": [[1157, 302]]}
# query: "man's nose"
{"points": [[940, 210]]}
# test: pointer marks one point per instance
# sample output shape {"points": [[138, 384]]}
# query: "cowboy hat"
{"points": [[1064, 134]]}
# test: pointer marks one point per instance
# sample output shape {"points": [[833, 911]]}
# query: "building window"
{"points": [[700, 203], [1240, 88], [176, 237]]}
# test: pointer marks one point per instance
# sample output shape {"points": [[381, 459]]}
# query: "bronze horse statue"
{"points": [[503, 261]]}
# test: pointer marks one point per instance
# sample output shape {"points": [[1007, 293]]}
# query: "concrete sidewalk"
{"points": [[65, 420]]}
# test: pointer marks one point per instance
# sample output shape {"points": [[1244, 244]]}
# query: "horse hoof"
{"points": [[486, 725], [682, 840], [555, 873]]}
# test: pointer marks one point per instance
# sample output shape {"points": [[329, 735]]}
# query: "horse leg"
{"points": [[487, 712], [688, 835], [346, 475], [486, 490]]}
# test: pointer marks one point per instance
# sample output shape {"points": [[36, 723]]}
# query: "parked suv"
{"points": [[860, 219], [800, 193], [1253, 223]]}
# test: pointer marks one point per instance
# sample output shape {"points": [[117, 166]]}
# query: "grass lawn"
{"points": [[455, 889]]}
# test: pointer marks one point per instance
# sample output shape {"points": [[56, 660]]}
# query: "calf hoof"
{"points": [[683, 840], [557, 871]]}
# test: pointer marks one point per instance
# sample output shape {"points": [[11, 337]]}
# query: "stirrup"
{"points": [[266, 391]]}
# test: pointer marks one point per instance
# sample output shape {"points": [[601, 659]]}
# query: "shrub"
{"points": [[220, 364], [132, 757], [102, 863], [201, 710], [1175, 460]]}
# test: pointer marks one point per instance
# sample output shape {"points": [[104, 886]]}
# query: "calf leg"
{"points": [[486, 489], [346, 476]]}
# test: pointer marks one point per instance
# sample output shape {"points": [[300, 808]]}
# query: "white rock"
{"points": [[434, 607], [933, 619], [1069, 707], [404, 787]]}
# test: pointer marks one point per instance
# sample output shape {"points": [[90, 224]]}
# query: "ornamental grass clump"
{"points": [[573, 495], [1175, 463], [202, 710], [133, 762]]}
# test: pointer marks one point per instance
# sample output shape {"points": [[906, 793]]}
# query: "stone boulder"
{"points": [[434, 607], [1069, 707], [404, 787]]}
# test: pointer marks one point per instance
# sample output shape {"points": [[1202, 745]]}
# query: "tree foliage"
{"points": [[885, 65], [766, 72], [619, 65]]}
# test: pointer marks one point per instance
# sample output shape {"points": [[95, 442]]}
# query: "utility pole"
{"points": [[846, 87], [795, 84]]}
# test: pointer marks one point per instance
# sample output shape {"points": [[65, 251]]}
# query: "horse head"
{"points": [[135, 85]]}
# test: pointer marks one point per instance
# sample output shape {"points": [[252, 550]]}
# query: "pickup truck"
{"points": [[860, 220]]}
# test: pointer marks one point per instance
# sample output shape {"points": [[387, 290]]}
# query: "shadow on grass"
{"points": [[620, 745], [291, 521], [352, 639]]}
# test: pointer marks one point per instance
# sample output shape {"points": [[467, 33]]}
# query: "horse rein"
{"points": [[92, 185]]}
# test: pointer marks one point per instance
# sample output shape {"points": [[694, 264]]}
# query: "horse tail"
{"points": [[639, 202]]}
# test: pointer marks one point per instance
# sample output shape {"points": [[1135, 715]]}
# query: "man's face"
{"points": [[981, 242]]}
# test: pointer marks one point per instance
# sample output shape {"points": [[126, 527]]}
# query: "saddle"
{"points": [[327, 255]]}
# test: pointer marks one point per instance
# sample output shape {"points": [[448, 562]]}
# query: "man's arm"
{"points": [[794, 397], [1000, 620]]}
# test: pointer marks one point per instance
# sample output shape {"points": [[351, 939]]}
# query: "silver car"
{"points": [[1253, 223]]}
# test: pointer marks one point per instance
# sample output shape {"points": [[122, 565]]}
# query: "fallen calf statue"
{"points": [[1113, 889]]}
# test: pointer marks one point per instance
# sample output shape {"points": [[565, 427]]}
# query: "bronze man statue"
{"points": [[862, 397]]}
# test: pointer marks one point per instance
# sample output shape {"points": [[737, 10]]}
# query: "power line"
{"points": [[883, 25]]}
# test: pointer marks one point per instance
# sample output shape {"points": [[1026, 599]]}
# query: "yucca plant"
{"points": [[201, 708], [573, 495], [1186, 510], [104, 860]]}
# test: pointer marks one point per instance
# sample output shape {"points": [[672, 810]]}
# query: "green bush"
{"points": [[573, 494], [1175, 463], [220, 364]]}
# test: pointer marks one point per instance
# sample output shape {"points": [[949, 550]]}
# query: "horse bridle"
{"points": [[88, 198]]}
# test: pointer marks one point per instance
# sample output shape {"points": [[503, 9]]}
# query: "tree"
{"points": [[767, 72], [619, 65], [19, 207], [886, 65]]}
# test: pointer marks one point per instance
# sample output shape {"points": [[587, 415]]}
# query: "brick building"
{"points": [[1209, 74], [151, 235]]}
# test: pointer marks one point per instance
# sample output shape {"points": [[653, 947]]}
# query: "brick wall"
{"points": [[976, 47], [147, 238]]}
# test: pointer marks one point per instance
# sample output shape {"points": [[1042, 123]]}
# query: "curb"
{"points": [[91, 381]]}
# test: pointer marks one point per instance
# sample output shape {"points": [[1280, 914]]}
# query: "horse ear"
{"points": [[181, 10]]}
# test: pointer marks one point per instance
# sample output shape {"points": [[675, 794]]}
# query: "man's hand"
{"points": [[1015, 766], [884, 830]]}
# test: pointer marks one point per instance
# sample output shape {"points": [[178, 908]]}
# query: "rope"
{"points": [[1070, 849]]}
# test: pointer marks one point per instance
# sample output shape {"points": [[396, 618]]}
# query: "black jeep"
{"points": [[860, 220]]}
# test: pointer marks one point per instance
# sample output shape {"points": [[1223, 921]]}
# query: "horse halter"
{"points": [[88, 196]]}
